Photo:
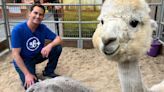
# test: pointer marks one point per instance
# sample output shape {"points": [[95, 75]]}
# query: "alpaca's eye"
{"points": [[134, 23], [102, 22]]}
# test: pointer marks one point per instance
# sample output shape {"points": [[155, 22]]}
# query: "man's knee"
{"points": [[57, 49]]}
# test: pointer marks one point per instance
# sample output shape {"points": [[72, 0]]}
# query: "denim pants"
{"points": [[31, 63]]}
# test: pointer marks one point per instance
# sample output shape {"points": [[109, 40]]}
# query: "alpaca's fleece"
{"points": [[158, 88], [125, 29], [58, 84]]}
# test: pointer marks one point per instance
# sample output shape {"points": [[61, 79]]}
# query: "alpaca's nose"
{"points": [[109, 40], [110, 46]]}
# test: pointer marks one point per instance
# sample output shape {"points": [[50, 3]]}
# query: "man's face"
{"points": [[36, 15]]}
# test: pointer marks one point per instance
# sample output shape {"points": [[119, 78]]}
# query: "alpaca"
{"points": [[123, 35], [58, 84]]}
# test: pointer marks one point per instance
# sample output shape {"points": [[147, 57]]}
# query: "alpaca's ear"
{"points": [[106, 7], [99, 18], [154, 25]]}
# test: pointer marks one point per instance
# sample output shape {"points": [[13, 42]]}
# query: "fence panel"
{"points": [[75, 23], [161, 23], [4, 34]]}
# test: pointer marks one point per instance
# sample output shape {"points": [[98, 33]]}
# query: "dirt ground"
{"points": [[87, 66]]}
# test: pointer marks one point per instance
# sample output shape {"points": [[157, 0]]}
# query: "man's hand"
{"points": [[46, 50], [29, 80]]}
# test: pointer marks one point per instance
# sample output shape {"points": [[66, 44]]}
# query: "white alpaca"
{"points": [[123, 35]]}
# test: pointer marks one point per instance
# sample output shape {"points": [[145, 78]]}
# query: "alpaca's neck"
{"points": [[130, 77]]}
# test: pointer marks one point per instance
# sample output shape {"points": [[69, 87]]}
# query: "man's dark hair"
{"points": [[39, 5]]}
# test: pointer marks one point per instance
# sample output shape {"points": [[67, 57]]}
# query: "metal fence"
{"points": [[160, 34], [75, 22]]}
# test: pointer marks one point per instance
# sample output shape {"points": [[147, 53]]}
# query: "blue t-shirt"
{"points": [[30, 42]]}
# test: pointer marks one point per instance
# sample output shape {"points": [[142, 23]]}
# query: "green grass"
{"points": [[71, 30]]}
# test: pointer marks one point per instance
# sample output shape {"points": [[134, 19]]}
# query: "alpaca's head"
{"points": [[125, 29]]}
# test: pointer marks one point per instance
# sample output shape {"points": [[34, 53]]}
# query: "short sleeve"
{"points": [[49, 34], [16, 38]]}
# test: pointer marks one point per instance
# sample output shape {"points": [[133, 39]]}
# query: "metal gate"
{"points": [[75, 23]]}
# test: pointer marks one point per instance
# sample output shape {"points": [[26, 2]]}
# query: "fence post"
{"points": [[6, 22], [161, 20], [80, 41]]}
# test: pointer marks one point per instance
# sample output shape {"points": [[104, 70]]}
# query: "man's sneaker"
{"points": [[52, 75]]}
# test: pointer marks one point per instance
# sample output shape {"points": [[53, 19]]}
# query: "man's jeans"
{"points": [[31, 63]]}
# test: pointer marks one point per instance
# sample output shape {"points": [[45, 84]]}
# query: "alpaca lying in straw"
{"points": [[123, 35]]}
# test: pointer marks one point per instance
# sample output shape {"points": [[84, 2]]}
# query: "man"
{"points": [[28, 47]]}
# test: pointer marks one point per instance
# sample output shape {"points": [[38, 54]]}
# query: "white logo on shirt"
{"points": [[32, 43]]}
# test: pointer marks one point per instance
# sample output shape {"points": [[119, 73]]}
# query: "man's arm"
{"points": [[19, 60], [55, 42], [29, 78], [46, 50]]}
